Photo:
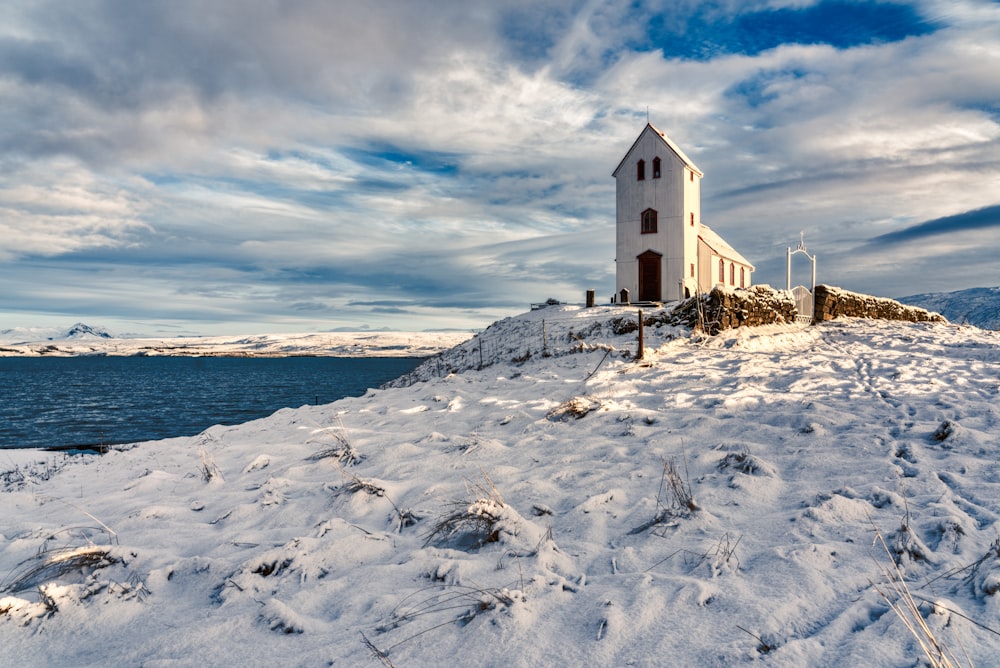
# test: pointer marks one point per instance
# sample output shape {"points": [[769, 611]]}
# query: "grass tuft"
{"points": [[896, 593], [340, 450], [674, 497], [476, 518]]}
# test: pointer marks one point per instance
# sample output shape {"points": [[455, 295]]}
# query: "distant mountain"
{"points": [[81, 331], [31, 334], [975, 306]]}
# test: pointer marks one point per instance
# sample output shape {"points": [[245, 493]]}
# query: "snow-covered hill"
{"points": [[541, 498], [77, 331], [975, 306], [84, 340]]}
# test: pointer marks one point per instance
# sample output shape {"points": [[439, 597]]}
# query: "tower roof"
{"points": [[661, 136]]}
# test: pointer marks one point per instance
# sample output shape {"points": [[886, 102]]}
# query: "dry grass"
{"points": [[209, 471], [405, 517], [55, 564], [475, 518], [673, 498], [339, 448], [458, 604], [896, 593]]}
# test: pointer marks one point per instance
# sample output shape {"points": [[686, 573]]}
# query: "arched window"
{"points": [[722, 270], [649, 221], [640, 170], [656, 168], [732, 274], [743, 277]]}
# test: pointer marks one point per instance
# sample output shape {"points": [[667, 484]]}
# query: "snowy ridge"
{"points": [[77, 331], [976, 306], [83, 340], [579, 508]]}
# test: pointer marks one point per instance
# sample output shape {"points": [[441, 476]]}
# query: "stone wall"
{"points": [[763, 305], [755, 306], [725, 309], [833, 302]]}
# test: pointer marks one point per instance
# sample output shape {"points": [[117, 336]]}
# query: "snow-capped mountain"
{"points": [[975, 306], [77, 331], [81, 331]]}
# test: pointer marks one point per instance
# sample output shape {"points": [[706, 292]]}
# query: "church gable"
{"points": [[661, 139]]}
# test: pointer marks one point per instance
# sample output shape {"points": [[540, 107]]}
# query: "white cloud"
{"points": [[255, 156]]}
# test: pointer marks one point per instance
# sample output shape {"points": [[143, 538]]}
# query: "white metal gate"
{"points": [[803, 303]]}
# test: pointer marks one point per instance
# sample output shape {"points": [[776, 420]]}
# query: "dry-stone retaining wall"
{"points": [[833, 302], [725, 309], [763, 305], [755, 306]]}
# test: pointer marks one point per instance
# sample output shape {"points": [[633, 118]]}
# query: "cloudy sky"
{"points": [[237, 166]]}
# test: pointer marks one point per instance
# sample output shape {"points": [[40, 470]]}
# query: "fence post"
{"points": [[639, 353], [545, 341], [590, 298]]}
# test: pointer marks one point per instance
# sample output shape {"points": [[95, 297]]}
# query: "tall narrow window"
{"points": [[692, 219], [656, 168], [722, 270], [732, 274], [692, 270], [692, 176], [743, 277], [640, 170], [649, 221]]}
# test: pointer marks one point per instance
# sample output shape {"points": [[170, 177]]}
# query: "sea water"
{"points": [[91, 401]]}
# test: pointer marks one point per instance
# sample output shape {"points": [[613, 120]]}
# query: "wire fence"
{"points": [[517, 341]]}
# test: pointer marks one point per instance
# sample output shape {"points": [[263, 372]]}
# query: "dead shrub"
{"points": [[674, 497], [477, 520]]}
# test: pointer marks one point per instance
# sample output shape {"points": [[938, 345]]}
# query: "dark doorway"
{"points": [[649, 276]]}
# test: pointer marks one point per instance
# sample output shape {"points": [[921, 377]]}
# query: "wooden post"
{"points": [[590, 299], [639, 354]]}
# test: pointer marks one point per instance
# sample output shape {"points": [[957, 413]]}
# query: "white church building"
{"points": [[663, 251]]}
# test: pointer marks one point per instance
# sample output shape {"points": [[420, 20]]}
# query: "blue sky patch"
{"points": [[377, 155], [838, 23]]}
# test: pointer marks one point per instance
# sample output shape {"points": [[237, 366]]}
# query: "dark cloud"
{"points": [[978, 219]]}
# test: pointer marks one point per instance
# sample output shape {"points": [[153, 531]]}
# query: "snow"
{"points": [[714, 503], [85, 340]]}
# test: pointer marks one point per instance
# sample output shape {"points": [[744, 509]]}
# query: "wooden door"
{"points": [[649, 276]]}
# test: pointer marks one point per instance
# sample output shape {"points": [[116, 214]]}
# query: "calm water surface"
{"points": [[87, 401]]}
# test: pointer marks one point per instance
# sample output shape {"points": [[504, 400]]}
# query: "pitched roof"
{"points": [[719, 245], [666, 140]]}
